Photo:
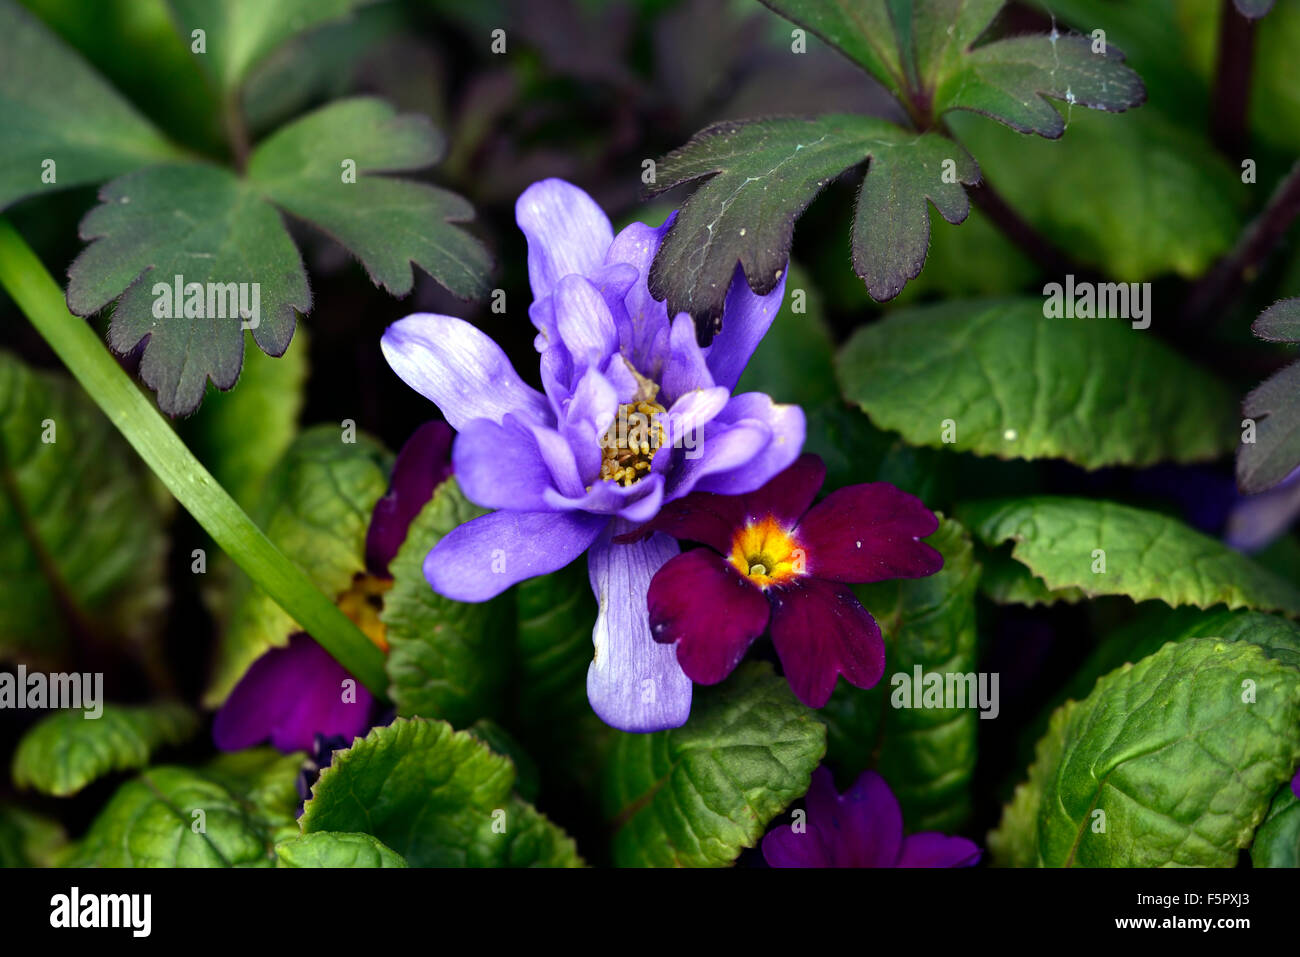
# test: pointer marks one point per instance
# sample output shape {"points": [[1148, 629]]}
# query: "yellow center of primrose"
{"points": [[766, 553]]}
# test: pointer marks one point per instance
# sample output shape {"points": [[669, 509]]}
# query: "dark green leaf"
{"points": [[759, 176], [1277, 842], [316, 507], [81, 522], [1104, 548], [926, 754], [336, 849], [437, 797], [388, 223], [27, 839], [447, 659], [66, 750], [1275, 451], [55, 107], [696, 795], [1172, 761], [210, 228], [1011, 383]]}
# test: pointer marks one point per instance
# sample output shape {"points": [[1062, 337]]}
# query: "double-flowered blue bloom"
{"points": [[634, 414]]}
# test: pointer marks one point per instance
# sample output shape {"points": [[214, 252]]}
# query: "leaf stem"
{"points": [[1033, 243], [1236, 61], [1220, 285], [24, 277]]}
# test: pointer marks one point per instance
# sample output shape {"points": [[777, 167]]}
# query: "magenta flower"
{"points": [[771, 561], [634, 413], [861, 828], [293, 694]]}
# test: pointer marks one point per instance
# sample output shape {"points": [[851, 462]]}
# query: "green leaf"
{"points": [[925, 52], [240, 33], [758, 178], [226, 240], [1277, 842], [388, 223], [1275, 404], [82, 546], [212, 229], [1144, 554], [27, 839], [266, 404], [1015, 384], [437, 797], [696, 795], [154, 821], [447, 659], [66, 750], [57, 108], [316, 507], [1181, 767], [1115, 192], [1008, 582], [926, 754], [336, 849]]}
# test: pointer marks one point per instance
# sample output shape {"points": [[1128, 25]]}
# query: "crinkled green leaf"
{"points": [[447, 659], [1146, 554], [1008, 582], [926, 754], [240, 33], [1015, 384], [66, 750], [1275, 405], [82, 545], [153, 821], [388, 223], [759, 176], [1114, 193], [1277, 842], [28, 839], [1181, 753], [54, 106], [437, 797], [696, 795], [316, 508], [527, 775], [218, 230], [211, 228], [336, 849]]}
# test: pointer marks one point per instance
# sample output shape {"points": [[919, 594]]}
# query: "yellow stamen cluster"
{"points": [[363, 601], [629, 446], [766, 553]]}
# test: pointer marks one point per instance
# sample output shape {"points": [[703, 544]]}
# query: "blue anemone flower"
{"points": [[634, 414]]}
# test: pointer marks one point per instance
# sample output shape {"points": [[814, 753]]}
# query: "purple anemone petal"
{"points": [[485, 556], [500, 465], [634, 683], [647, 318], [290, 695], [560, 460], [709, 610], [689, 415], [869, 533], [584, 323], [585, 418], [1255, 521], [567, 233], [637, 502], [783, 423], [932, 849], [746, 317], [460, 370], [821, 630], [722, 449], [423, 464], [686, 369]]}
